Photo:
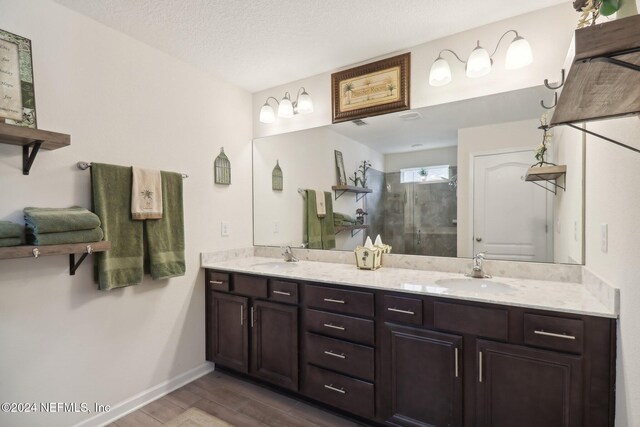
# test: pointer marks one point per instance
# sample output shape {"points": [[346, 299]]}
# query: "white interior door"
{"points": [[512, 219]]}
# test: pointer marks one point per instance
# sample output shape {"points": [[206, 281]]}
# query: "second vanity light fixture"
{"points": [[286, 108], [479, 62]]}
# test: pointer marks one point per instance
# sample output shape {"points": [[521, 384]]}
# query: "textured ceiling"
{"points": [[259, 44]]}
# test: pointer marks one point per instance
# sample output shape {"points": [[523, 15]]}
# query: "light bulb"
{"points": [[305, 104], [285, 109], [440, 73], [266, 114], [479, 63], [519, 54]]}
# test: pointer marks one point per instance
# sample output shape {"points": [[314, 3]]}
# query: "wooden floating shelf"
{"points": [[545, 173], [604, 79], [355, 229], [360, 192], [27, 251], [34, 139]]}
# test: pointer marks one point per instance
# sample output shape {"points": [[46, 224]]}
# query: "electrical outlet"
{"points": [[604, 238], [225, 228], [276, 227]]}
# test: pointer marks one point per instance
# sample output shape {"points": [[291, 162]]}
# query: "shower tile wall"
{"points": [[419, 218], [373, 204]]}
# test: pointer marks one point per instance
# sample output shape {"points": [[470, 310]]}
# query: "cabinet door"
{"points": [[228, 331], [524, 387], [422, 378], [274, 352]]}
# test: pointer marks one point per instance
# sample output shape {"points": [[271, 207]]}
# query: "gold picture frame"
{"points": [[380, 87]]}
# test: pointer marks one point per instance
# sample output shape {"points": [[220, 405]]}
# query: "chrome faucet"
{"points": [[287, 253], [478, 272]]}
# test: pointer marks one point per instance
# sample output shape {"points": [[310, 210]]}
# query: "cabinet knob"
{"points": [[478, 239]]}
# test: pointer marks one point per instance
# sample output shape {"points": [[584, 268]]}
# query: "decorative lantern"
{"points": [[222, 169], [276, 178]]}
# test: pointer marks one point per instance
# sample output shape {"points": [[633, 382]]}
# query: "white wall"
{"points": [[484, 140], [123, 103], [549, 32], [612, 198], [433, 157], [307, 160]]}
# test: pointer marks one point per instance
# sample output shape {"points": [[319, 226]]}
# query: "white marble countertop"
{"points": [[544, 295]]}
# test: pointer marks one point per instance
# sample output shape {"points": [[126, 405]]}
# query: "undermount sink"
{"points": [[276, 265], [475, 285]]}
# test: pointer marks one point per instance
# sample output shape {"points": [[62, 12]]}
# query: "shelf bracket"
{"points": [[553, 190], [359, 196], [73, 265], [355, 232], [336, 196], [612, 60], [29, 157], [603, 137]]}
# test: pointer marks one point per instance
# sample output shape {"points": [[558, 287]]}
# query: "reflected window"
{"points": [[426, 174]]}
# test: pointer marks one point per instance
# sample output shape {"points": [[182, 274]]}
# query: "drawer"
{"points": [[250, 286], [468, 319], [351, 359], [554, 333], [283, 291], [339, 326], [403, 310], [341, 300], [216, 281], [338, 390]]}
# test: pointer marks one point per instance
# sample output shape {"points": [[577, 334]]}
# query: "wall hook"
{"points": [[546, 82], [555, 102], [89, 249]]}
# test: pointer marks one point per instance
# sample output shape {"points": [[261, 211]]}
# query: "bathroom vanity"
{"points": [[412, 348]]}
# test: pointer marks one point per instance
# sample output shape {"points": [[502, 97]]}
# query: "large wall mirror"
{"points": [[445, 181]]}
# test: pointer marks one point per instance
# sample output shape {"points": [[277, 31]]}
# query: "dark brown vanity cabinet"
{"points": [[252, 335]]}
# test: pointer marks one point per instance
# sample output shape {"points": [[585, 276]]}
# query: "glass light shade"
{"points": [[519, 54], [285, 109], [479, 63], [305, 104], [440, 73], [266, 114]]}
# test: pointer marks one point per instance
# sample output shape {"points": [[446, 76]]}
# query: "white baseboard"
{"points": [[135, 402]]}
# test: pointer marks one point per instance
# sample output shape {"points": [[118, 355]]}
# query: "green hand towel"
{"points": [[9, 229], [81, 236], [165, 236], [123, 265], [56, 220], [312, 225], [10, 241], [328, 228]]}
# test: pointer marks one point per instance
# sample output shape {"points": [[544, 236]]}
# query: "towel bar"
{"points": [[86, 165]]}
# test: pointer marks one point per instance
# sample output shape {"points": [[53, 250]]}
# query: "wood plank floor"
{"points": [[235, 401]]}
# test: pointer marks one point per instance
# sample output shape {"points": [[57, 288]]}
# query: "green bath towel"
{"points": [[56, 220], [123, 265], [9, 229], [318, 233], [10, 241], [81, 236], [165, 236]]}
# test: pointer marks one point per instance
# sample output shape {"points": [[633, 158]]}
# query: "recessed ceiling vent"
{"points": [[359, 122], [410, 115]]}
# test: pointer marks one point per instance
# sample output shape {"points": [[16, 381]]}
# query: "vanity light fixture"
{"points": [[479, 62], [286, 108]]}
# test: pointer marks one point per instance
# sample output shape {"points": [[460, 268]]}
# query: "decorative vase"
{"points": [[627, 8]]}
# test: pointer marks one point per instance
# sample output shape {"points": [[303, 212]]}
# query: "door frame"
{"points": [[471, 191]]}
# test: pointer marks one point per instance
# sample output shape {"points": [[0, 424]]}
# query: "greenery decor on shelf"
{"points": [[541, 151], [355, 179], [363, 168]]}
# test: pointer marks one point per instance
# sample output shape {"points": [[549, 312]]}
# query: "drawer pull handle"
{"points": [[551, 334], [242, 315], [331, 353], [397, 310], [456, 361], [252, 317], [337, 301], [216, 282], [332, 326], [337, 390], [282, 293], [480, 366]]}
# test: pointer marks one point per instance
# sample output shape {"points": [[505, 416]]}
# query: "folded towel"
{"points": [[10, 241], [55, 220], [123, 264], [321, 208], [312, 228], [65, 237], [146, 194], [165, 237], [9, 229], [328, 228]]}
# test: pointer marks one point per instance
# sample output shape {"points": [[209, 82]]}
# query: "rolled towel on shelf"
{"points": [[58, 220], [10, 241], [10, 230], [65, 237]]}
